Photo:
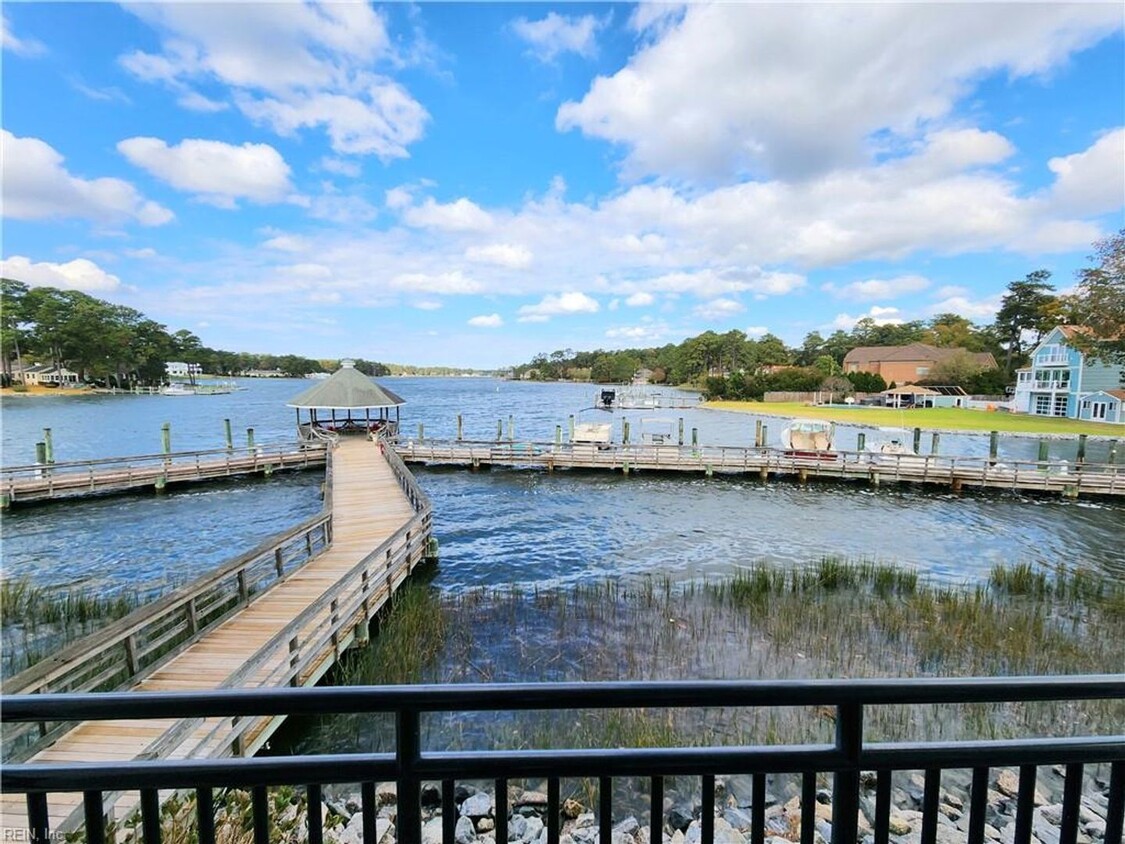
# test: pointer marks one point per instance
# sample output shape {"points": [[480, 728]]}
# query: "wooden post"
{"points": [[499, 430], [861, 442], [1111, 452], [1081, 458], [1043, 454], [50, 446], [459, 428], [624, 431], [511, 429], [278, 563], [694, 437], [243, 589], [765, 436], [917, 440], [934, 441], [993, 446], [571, 435], [250, 439], [421, 433], [41, 454], [558, 435], [166, 438], [230, 439], [757, 433]]}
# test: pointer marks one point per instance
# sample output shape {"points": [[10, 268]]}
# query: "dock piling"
{"points": [[230, 439], [1043, 454], [166, 438], [250, 439], [558, 435], [421, 433], [681, 432], [757, 433], [511, 429], [993, 446], [1111, 452], [50, 446], [459, 428], [917, 440], [861, 442], [571, 433], [41, 456], [625, 432], [934, 441], [1081, 458], [499, 430], [765, 435]]}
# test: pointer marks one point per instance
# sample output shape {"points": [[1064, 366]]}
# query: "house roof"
{"points": [[913, 352], [347, 389]]}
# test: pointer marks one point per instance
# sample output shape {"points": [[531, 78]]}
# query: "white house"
{"points": [[45, 373], [1060, 381]]}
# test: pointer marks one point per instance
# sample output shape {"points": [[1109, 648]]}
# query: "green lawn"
{"points": [[937, 418]]}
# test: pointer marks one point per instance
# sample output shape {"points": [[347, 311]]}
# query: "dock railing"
{"points": [[80, 477], [981, 471], [411, 764], [125, 652]]}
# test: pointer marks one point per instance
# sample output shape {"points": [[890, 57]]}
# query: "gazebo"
{"points": [[343, 404], [911, 395]]}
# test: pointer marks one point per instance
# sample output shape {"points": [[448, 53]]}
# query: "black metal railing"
{"points": [[410, 765]]}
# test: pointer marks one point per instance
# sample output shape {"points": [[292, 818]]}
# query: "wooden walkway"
{"points": [[1053, 476], [290, 634], [26, 484]]}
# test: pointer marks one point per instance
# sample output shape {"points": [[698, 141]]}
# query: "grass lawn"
{"points": [[929, 418]]}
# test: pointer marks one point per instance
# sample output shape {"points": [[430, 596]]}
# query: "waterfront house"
{"points": [[907, 364], [1062, 381], [46, 374]]}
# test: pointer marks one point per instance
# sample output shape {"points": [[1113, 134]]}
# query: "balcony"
{"points": [[411, 764], [1052, 360], [1051, 386]]}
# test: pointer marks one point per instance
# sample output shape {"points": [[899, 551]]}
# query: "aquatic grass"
{"points": [[832, 618]]}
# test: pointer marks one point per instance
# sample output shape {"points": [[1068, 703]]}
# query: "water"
{"points": [[503, 526]]}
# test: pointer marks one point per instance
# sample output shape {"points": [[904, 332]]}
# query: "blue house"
{"points": [[1060, 381]]}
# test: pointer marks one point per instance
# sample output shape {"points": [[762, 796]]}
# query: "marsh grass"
{"points": [[35, 621], [834, 618]]}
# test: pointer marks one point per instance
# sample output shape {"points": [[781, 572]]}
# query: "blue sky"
{"points": [[470, 184]]}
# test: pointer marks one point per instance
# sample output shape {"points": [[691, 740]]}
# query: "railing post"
{"points": [[278, 563], [192, 617], [131, 654], [243, 589], [294, 659], [845, 786], [407, 755]]}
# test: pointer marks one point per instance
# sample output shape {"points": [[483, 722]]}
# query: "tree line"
{"points": [[118, 346], [734, 365]]}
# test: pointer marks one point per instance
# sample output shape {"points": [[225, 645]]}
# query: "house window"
{"points": [[1025, 376], [1043, 405], [1060, 406], [1099, 410]]}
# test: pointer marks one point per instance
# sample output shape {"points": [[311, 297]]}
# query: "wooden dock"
{"points": [[277, 616], [52, 481], [1051, 476]]}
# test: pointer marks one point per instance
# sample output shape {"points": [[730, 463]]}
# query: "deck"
{"points": [[76, 479], [1049, 476], [289, 634]]}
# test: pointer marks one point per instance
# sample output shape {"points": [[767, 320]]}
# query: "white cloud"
{"points": [[880, 316], [340, 208], [287, 243], [557, 34], [428, 305], [37, 186], [879, 288], [290, 66], [397, 198], [487, 321], [340, 166], [640, 300], [26, 47], [648, 332], [741, 87], [559, 304], [975, 309], [460, 215], [195, 101], [710, 283], [144, 254], [440, 283], [217, 173], [110, 94], [756, 331], [79, 274], [719, 309], [1092, 181], [500, 254]]}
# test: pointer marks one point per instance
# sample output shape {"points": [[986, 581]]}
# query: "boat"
{"points": [[811, 437], [177, 389], [655, 431]]}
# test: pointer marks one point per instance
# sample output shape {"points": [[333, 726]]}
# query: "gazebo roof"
{"points": [[347, 389], [910, 390]]}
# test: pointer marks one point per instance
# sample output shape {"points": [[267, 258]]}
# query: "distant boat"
{"points": [[178, 390]]}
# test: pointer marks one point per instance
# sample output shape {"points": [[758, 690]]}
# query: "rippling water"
{"points": [[505, 526]]}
